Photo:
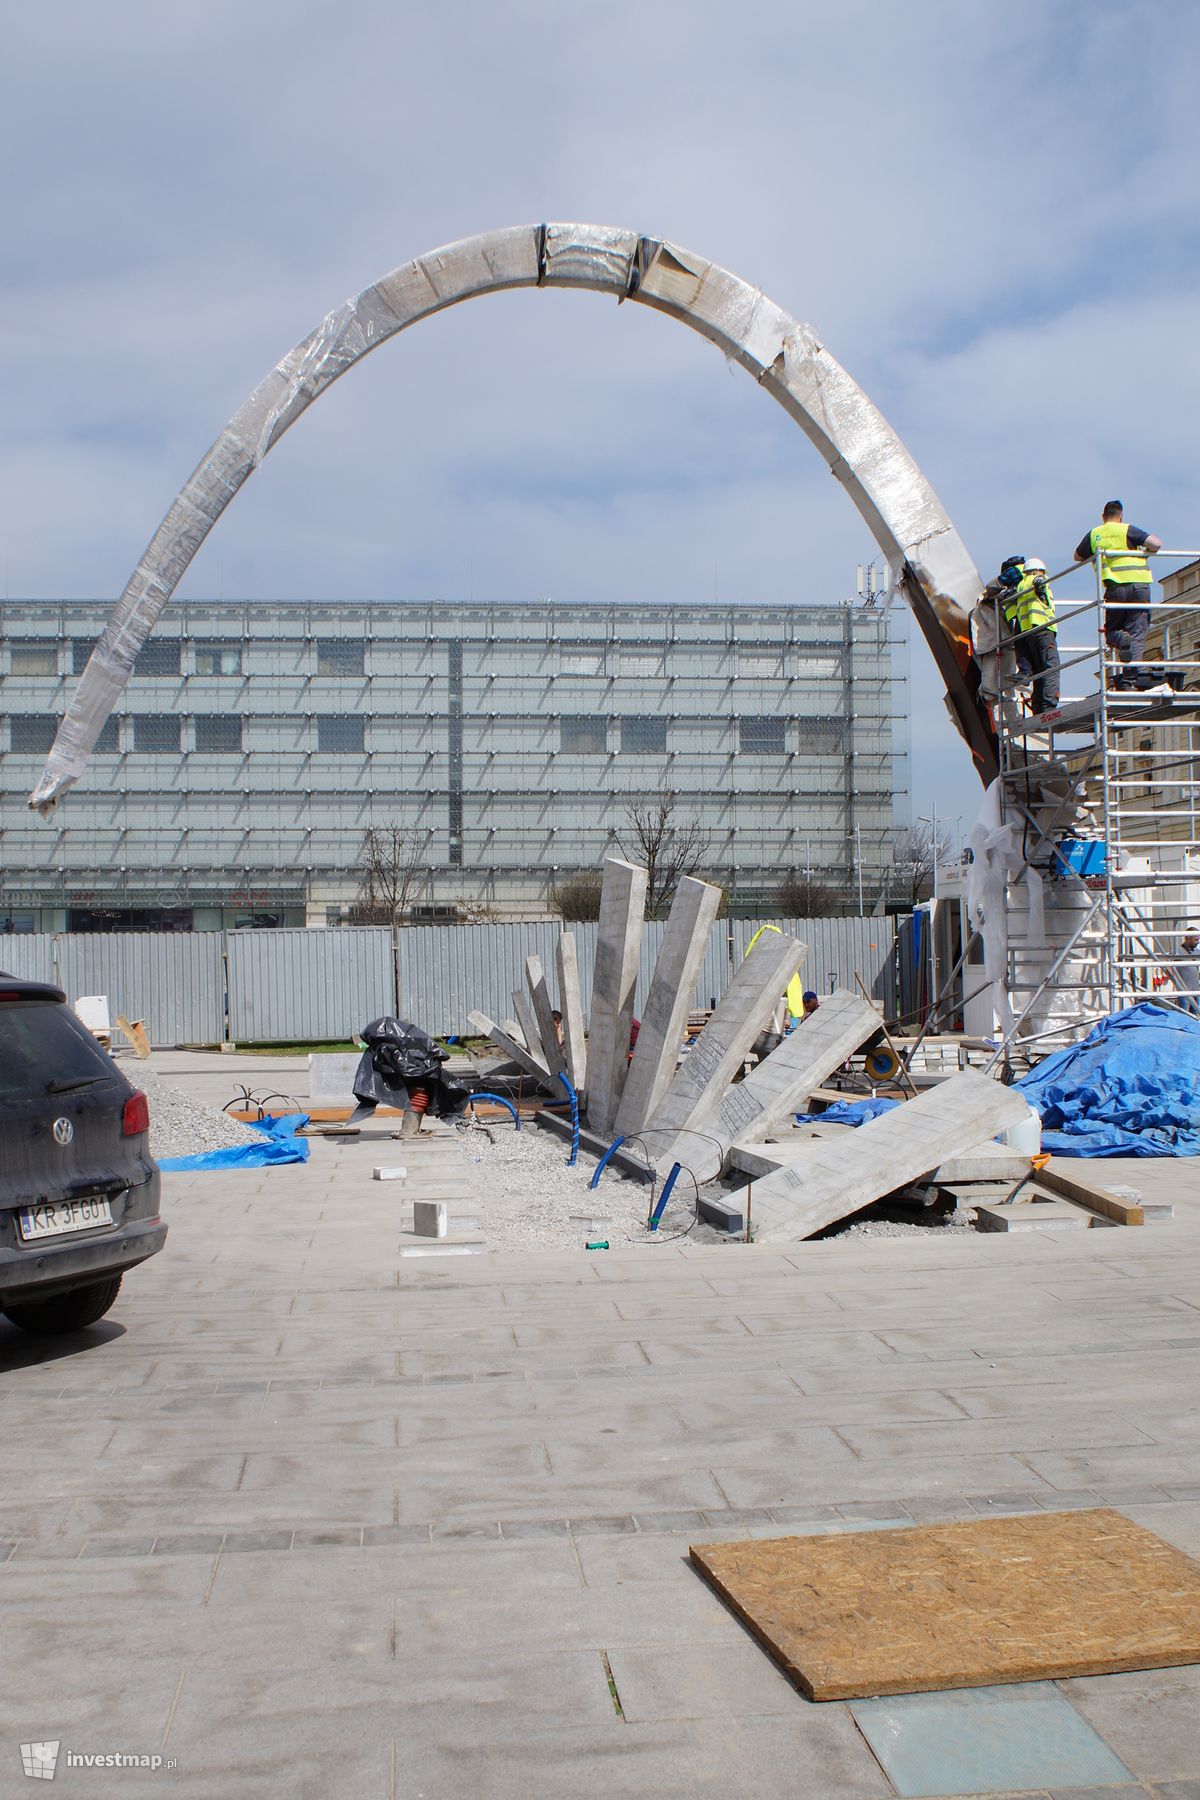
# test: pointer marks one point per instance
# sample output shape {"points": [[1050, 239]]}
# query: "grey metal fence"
{"points": [[293, 986]]}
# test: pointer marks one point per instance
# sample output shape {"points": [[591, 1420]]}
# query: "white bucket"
{"points": [[1026, 1136]]}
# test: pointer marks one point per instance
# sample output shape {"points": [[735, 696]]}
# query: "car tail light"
{"points": [[136, 1117]]}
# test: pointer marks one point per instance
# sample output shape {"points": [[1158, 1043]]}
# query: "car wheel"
{"points": [[66, 1312]]}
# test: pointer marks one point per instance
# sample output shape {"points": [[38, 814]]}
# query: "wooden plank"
{"points": [[1042, 1597], [1077, 1187], [827, 1179]]}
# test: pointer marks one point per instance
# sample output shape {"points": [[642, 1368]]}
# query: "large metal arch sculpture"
{"points": [[785, 357]]}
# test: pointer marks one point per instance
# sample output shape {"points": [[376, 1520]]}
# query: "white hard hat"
{"points": [[1035, 564]]}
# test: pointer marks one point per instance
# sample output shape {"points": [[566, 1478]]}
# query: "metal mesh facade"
{"points": [[256, 740]]}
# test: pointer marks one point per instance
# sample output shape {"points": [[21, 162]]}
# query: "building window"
{"points": [[822, 737], [765, 665], [218, 659], [37, 656], [642, 662], [585, 733], [32, 732], [643, 736], [218, 731], [109, 741], [81, 649], [159, 657], [760, 734], [156, 731], [581, 659], [340, 731], [337, 657]]}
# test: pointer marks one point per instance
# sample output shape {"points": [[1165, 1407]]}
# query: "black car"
{"points": [[79, 1190]]}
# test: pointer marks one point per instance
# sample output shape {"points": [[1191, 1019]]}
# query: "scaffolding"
{"points": [[1097, 813]]}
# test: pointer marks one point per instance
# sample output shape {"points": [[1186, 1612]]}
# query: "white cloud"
{"points": [[987, 211]]}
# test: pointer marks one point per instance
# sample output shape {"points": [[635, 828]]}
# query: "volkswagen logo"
{"points": [[64, 1131]]}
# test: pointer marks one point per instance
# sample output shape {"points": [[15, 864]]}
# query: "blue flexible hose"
{"points": [[606, 1158], [500, 1101], [574, 1099]]}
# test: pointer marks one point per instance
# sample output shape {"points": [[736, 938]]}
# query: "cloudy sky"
{"points": [[988, 210]]}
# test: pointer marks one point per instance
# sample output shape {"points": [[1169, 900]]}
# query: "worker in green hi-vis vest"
{"points": [[1035, 621], [1122, 550]]}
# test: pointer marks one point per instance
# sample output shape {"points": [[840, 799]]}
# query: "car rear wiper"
{"points": [[65, 1087]]}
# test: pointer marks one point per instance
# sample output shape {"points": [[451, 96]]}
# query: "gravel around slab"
{"points": [[526, 1195], [181, 1126]]}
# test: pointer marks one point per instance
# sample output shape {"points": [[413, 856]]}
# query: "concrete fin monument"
{"points": [[618, 944], [664, 1016]]}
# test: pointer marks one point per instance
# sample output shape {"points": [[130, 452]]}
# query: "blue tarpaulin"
{"points": [[280, 1145], [1131, 1088], [851, 1112]]}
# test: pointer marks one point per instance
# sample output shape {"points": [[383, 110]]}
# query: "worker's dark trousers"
{"points": [[1043, 660], [1126, 622]]}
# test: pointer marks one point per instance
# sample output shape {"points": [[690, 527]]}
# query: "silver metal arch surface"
{"points": [[785, 357]]}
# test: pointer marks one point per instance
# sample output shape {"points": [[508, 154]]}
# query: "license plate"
{"points": [[54, 1217]]}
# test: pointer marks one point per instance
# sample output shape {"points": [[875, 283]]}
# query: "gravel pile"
{"points": [[526, 1195], [181, 1126]]}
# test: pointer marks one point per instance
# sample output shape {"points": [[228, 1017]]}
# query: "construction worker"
{"points": [[1122, 550], [1187, 971], [793, 999], [1035, 620], [1012, 571]]}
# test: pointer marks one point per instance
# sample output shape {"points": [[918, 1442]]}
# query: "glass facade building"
{"points": [[256, 740]]}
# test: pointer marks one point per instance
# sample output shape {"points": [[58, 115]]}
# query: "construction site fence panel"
{"points": [[323, 985]]}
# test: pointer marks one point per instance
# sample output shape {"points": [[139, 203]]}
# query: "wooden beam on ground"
{"points": [[1078, 1187]]}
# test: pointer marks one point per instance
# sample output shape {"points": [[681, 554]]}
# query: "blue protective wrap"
{"points": [[280, 1145], [1131, 1088]]}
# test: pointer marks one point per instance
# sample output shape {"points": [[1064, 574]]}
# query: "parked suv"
{"points": [[79, 1190]]}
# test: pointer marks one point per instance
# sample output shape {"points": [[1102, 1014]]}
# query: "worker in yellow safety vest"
{"points": [[1122, 550], [1039, 634], [794, 997]]}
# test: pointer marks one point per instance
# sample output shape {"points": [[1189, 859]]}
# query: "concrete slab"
{"points": [[778, 1086], [524, 1058], [1021, 1216], [828, 1180], [543, 1012], [614, 978], [570, 1001], [664, 1016], [719, 1052]]}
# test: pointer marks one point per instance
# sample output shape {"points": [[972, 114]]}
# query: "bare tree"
{"points": [[667, 848], [915, 851], [577, 897], [801, 896], [390, 869]]}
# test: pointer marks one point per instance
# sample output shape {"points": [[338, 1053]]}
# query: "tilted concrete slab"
{"points": [[827, 1179], [779, 1085], [523, 1008], [519, 1054], [664, 1016], [570, 1001], [720, 1050], [543, 1012], [618, 942]]}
